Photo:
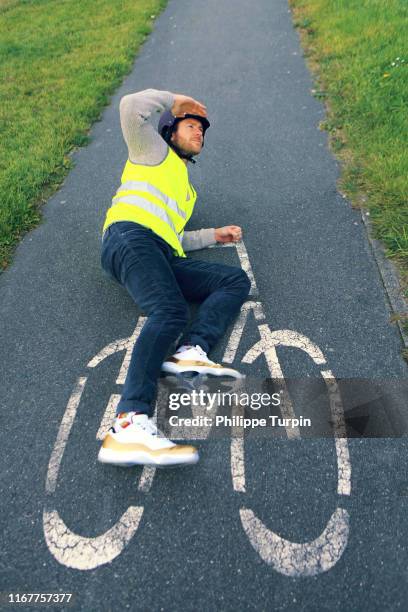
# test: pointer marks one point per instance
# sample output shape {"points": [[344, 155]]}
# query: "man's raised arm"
{"points": [[145, 145]]}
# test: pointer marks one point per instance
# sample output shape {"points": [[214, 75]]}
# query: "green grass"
{"points": [[358, 51], [59, 61]]}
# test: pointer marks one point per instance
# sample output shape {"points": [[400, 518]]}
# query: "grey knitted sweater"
{"points": [[146, 146]]}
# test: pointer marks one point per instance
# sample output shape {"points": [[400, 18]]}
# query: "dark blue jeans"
{"points": [[160, 283]]}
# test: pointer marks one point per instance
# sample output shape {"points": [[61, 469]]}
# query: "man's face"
{"points": [[189, 136]]}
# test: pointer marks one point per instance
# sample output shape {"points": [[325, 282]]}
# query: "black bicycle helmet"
{"points": [[168, 123]]}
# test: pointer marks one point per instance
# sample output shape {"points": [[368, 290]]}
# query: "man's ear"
{"points": [[174, 132]]}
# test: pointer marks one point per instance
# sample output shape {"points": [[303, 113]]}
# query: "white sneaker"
{"points": [[194, 359], [135, 440]]}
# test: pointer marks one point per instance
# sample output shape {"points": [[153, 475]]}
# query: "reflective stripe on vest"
{"points": [[135, 186], [158, 197], [153, 209]]}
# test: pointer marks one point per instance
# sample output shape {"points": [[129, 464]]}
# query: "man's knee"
{"points": [[246, 283], [241, 282], [175, 316]]}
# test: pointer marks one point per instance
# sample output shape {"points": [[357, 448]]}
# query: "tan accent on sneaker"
{"points": [[194, 363], [178, 449]]}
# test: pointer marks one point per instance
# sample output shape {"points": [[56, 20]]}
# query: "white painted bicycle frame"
{"points": [[286, 557]]}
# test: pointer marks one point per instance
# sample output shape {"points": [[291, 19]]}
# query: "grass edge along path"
{"points": [[355, 52], [56, 76]]}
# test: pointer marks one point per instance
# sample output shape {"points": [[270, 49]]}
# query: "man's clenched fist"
{"points": [[229, 233]]}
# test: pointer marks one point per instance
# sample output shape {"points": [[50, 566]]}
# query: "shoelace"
{"points": [[152, 429], [149, 426], [198, 348], [203, 353], [200, 351]]}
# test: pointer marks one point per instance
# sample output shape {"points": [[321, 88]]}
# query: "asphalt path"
{"points": [[201, 536]]}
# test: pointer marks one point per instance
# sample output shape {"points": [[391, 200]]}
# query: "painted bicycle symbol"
{"points": [[284, 556]]}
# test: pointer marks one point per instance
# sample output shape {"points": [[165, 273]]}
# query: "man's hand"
{"points": [[185, 104], [229, 233]]}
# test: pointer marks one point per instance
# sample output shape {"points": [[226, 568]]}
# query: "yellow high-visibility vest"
{"points": [[158, 197]]}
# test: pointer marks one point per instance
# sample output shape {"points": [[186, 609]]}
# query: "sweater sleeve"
{"points": [[145, 145], [198, 239]]}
